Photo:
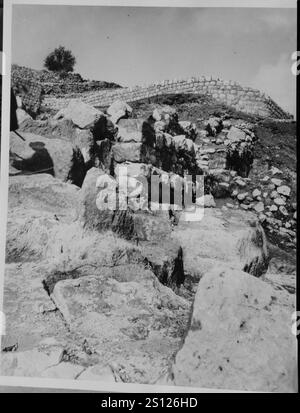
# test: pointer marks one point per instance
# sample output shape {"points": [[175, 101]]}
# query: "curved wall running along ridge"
{"points": [[231, 93], [244, 99]]}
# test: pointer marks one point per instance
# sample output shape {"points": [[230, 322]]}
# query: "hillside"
{"points": [[276, 139], [122, 267]]}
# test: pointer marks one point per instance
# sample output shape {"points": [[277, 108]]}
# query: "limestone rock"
{"points": [[134, 170], [43, 193], [63, 371], [38, 206], [236, 134], [279, 201], [231, 236], [81, 114], [119, 110], [136, 130], [124, 314], [133, 152], [273, 208], [82, 139], [275, 171], [256, 193], [206, 201], [240, 183], [141, 224], [276, 182], [259, 207], [238, 336], [28, 234], [56, 157], [281, 281], [98, 373], [30, 315], [22, 116], [108, 216], [284, 190], [242, 196], [29, 363], [165, 113]]}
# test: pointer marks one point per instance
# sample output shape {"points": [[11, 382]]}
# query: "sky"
{"points": [[135, 46]]}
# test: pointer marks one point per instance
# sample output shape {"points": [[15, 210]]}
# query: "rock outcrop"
{"points": [[36, 154], [239, 337], [123, 264], [233, 237]]}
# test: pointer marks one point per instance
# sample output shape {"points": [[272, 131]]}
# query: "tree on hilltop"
{"points": [[60, 60]]}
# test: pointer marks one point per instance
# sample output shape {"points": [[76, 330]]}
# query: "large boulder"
{"points": [[29, 311], [236, 134], [233, 237], [239, 336], [37, 154], [44, 193], [81, 114], [136, 130], [38, 206], [163, 189], [134, 170], [133, 152], [100, 209], [28, 233], [119, 110], [125, 313], [49, 128], [84, 139], [30, 363]]}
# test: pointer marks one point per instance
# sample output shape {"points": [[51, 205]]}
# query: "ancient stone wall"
{"points": [[230, 93], [26, 84], [55, 92], [32, 85]]}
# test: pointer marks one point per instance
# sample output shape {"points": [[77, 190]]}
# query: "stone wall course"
{"points": [[229, 92]]}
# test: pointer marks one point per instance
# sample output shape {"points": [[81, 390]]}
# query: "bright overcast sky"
{"points": [[141, 45]]}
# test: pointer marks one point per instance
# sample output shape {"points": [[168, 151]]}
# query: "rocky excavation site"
{"points": [[147, 296]]}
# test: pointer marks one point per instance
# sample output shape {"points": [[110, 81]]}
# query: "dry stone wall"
{"points": [[32, 85], [230, 93], [26, 84]]}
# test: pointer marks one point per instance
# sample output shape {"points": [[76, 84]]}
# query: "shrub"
{"points": [[60, 60]]}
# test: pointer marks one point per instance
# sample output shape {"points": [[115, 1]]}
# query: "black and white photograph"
{"points": [[149, 196]]}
